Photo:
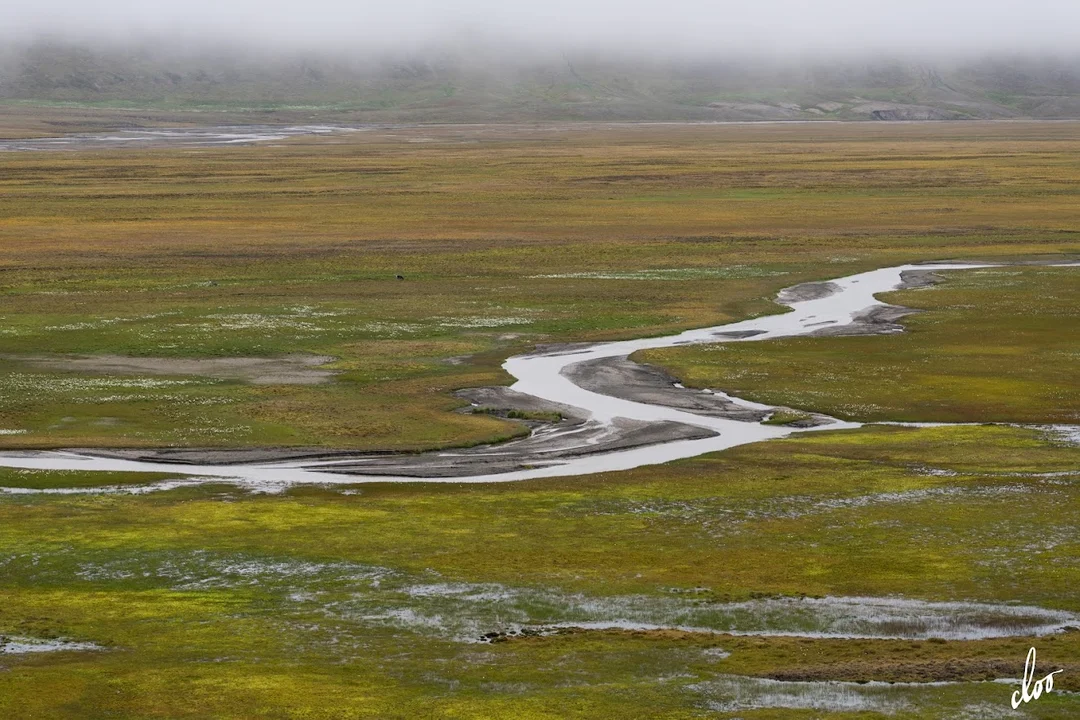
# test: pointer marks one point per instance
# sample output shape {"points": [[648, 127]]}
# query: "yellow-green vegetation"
{"points": [[506, 236], [369, 600], [323, 604], [994, 345]]}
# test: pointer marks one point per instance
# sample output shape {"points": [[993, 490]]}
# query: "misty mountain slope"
{"points": [[457, 86]]}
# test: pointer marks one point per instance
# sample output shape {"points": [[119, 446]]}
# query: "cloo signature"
{"points": [[1032, 690]]}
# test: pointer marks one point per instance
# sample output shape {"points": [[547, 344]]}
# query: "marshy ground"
{"points": [[374, 600]]}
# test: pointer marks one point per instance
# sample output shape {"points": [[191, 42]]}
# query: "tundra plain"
{"points": [[702, 588]]}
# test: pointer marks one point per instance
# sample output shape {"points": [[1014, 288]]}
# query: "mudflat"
{"points": [[293, 369]]}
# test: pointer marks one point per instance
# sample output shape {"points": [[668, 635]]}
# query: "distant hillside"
{"points": [[456, 88]]}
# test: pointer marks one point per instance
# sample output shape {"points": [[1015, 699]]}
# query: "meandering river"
{"points": [[845, 301]]}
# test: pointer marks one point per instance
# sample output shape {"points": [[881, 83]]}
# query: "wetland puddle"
{"points": [[23, 646], [190, 137], [429, 604], [733, 693]]}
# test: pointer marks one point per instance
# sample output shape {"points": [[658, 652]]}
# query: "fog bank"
{"points": [[686, 29]]}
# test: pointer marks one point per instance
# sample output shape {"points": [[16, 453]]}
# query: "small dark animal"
{"points": [[400, 277]]}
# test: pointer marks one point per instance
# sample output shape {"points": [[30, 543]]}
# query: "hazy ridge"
{"points": [[483, 85]]}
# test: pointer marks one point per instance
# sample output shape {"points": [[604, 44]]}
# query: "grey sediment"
{"points": [[548, 445], [500, 399], [623, 378], [218, 456], [807, 291]]}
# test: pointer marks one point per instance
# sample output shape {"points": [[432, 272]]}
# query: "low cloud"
{"points": [[672, 28]]}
